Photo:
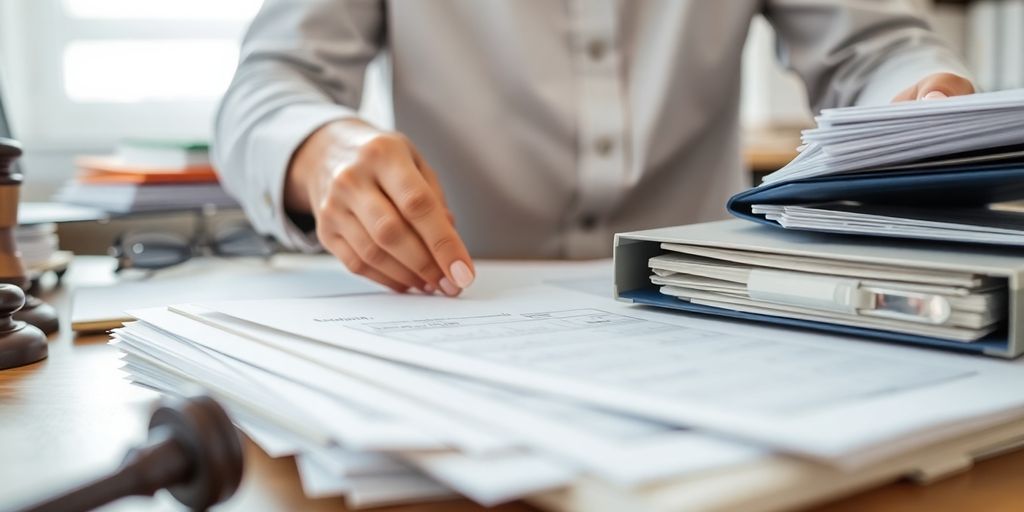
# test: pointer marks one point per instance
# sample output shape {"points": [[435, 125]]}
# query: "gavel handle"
{"points": [[143, 472]]}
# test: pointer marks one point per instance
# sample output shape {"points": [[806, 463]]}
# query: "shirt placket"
{"points": [[601, 124]]}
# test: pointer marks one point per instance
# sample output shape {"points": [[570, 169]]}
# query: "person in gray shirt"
{"points": [[542, 126]]}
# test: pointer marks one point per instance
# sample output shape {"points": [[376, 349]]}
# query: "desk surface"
{"points": [[71, 417], [767, 150]]}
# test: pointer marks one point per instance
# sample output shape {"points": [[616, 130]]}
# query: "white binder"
{"points": [[633, 252]]}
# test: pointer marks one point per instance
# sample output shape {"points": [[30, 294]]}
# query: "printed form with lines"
{"points": [[839, 400]]}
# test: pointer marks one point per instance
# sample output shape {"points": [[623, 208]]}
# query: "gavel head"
{"points": [[202, 427], [10, 150], [11, 269]]}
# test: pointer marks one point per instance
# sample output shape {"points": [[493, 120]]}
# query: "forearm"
{"points": [[301, 67], [266, 115]]}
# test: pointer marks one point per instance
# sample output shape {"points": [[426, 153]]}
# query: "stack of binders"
{"points": [[898, 223]]}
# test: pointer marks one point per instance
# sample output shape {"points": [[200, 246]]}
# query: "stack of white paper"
{"points": [[880, 137], [492, 444], [515, 390]]}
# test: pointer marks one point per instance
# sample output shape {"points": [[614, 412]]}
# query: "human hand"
{"points": [[936, 86], [379, 208]]}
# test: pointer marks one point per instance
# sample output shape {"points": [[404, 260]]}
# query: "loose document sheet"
{"points": [[837, 399]]}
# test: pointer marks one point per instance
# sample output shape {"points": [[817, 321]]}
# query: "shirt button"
{"points": [[596, 49], [268, 201], [603, 146], [588, 222]]}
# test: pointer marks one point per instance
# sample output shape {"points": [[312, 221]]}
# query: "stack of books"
{"points": [[147, 176]]}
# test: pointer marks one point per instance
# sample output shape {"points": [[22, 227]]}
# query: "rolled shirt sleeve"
{"points": [[302, 66], [861, 52]]}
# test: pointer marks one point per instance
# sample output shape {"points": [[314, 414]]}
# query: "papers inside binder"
{"points": [[954, 306]]}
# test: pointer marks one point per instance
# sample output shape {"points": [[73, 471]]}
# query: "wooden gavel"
{"points": [[193, 451], [12, 269]]}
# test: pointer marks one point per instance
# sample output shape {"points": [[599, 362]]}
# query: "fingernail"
{"points": [[429, 289], [463, 277], [935, 95], [448, 288]]}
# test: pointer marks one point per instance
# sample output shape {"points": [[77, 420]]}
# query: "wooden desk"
{"points": [[71, 417], [769, 149]]}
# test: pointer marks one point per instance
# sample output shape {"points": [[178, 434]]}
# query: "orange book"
{"points": [[97, 169]]}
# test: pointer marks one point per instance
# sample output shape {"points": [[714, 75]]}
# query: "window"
{"points": [[154, 9], [81, 74], [85, 73]]}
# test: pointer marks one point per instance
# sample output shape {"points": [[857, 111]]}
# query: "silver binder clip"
{"points": [[845, 295], [910, 306]]}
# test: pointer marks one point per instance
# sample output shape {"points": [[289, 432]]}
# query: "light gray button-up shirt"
{"points": [[552, 123]]}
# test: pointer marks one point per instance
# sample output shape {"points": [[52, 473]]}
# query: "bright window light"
{"points": [[153, 9], [130, 71]]}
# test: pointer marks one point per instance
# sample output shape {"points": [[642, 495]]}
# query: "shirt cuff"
{"points": [[906, 69], [272, 146]]}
